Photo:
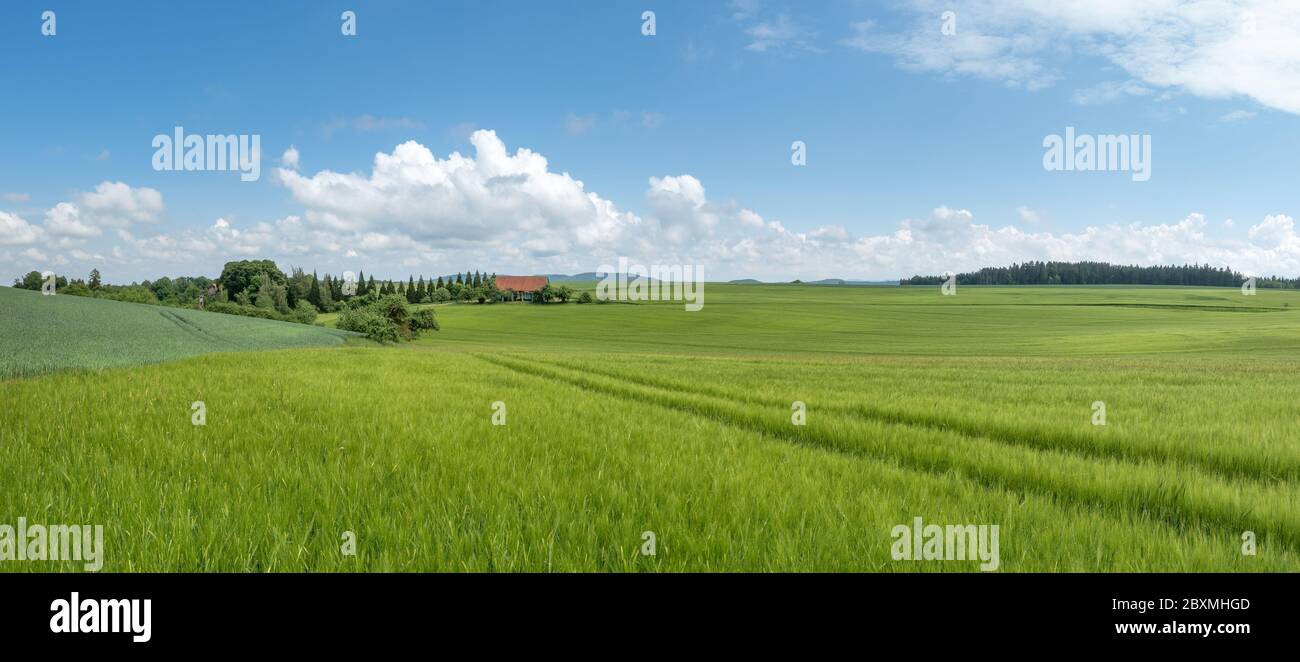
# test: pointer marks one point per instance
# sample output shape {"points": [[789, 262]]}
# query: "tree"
{"points": [[361, 282], [336, 289], [245, 274], [546, 293], [439, 285], [298, 286], [30, 281], [163, 288], [410, 290], [458, 280], [95, 281], [313, 294], [264, 298]]}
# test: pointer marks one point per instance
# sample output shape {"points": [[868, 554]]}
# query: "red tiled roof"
{"points": [[521, 283]]}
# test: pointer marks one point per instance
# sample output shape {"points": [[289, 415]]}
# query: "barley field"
{"points": [[47, 333], [622, 419]]}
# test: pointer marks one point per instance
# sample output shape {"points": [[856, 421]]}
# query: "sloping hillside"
{"points": [[44, 333]]}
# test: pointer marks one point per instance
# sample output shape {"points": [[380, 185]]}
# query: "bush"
{"points": [[77, 289], [586, 297], [129, 293], [387, 319], [246, 311], [441, 295], [368, 321], [393, 307], [424, 320], [303, 313]]}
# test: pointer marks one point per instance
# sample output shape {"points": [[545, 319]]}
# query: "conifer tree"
{"points": [[313, 293]]}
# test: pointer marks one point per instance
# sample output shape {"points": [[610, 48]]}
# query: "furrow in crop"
{"points": [[1177, 495], [1104, 444]]}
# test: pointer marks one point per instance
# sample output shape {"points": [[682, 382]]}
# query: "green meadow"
{"points": [[621, 419]]}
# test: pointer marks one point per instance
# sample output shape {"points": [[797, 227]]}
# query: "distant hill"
{"points": [[841, 281], [590, 275], [585, 276], [594, 276], [47, 333]]}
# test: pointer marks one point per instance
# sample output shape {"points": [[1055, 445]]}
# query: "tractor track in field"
{"points": [[1266, 471], [1169, 502], [194, 330]]}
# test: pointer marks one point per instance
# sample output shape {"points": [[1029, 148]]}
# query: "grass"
{"points": [[625, 418], [47, 333], [780, 320]]}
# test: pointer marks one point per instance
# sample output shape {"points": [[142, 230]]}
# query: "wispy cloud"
{"points": [[777, 33], [1237, 116], [1211, 49], [1108, 92], [579, 124], [368, 123]]}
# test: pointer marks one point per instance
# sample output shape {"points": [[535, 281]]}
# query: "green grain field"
{"points": [[628, 418], [46, 333]]}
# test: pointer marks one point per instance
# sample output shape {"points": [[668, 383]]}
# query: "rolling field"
{"points": [[626, 418], [47, 333]]}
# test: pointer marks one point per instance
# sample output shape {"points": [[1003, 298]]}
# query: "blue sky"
{"points": [[924, 149]]}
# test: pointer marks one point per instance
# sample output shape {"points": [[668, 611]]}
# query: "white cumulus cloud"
{"points": [[14, 230]]}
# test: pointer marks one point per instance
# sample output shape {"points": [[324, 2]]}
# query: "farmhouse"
{"points": [[520, 288]]}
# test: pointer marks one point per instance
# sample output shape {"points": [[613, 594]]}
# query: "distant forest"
{"points": [[1103, 273]]}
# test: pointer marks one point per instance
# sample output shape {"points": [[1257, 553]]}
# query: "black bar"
{"points": [[928, 612]]}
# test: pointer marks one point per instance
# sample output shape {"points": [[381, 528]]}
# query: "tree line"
{"points": [[1104, 273], [258, 288]]}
